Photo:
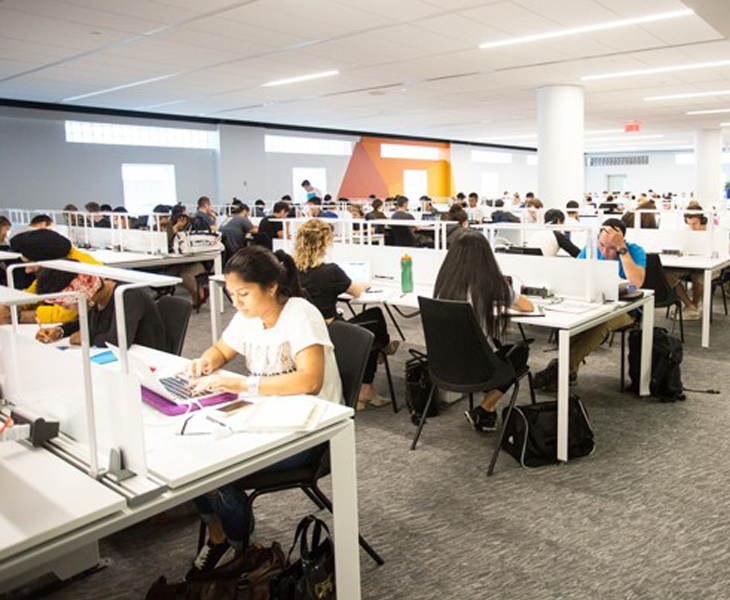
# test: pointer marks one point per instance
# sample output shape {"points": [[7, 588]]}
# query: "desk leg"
{"points": [[392, 318], [344, 501], [647, 341], [563, 392], [706, 304], [216, 294], [218, 270]]}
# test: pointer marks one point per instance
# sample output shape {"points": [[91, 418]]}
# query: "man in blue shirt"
{"points": [[612, 245], [315, 209]]}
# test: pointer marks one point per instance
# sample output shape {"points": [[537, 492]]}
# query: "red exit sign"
{"points": [[632, 126]]}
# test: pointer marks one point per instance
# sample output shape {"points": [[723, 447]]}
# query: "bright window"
{"points": [[147, 185], [494, 158], [306, 145], [409, 151], [91, 132]]}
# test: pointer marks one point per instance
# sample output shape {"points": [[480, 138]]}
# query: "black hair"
{"points": [[120, 209], [616, 224], [177, 217], [38, 219], [572, 204], [459, 216], [106, 208], [285, 198], [164, 209], [202, 201], [401, 201], [554, 216], [244, 207], [460, 195], [279, 206], [499, 203], [470, 273], [377, 204], [50, 281], [530, 195], [5, 222], [474, 195], [256, 264], [178, 209], [306, 182], [314, 200], [92, 207], [260, 202], [327, 197]]}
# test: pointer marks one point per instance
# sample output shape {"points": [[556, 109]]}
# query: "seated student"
{"points": [[470, 273], [376, 213], [122, 220], [648, 220], [34, 246], [612, 245], [205, 218], [550, 241], [314, 208], [286, 349], [403, 236], [311, 191], [324, 283], [259, 207], [458, 216], [609, 206], [476, 214], [676, 277], [270, 230], [237, 228], [189, 272], [573, 210], [501, 216], [143, 321], [97, 219], [41, 222], [534, 206], [72, 220], [5, 227]]}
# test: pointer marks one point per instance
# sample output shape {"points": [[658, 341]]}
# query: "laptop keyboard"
{"points": [[178, 387]]}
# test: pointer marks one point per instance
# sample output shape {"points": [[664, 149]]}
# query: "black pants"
{"points": [[373, 320], [518, 360]]}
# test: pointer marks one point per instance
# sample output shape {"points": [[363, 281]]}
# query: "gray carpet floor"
{"points": [[644, 517]]}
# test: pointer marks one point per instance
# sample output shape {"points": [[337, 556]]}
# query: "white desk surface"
{"points": [[694, 262], [124, 258], [44, 497], [178, 460]]}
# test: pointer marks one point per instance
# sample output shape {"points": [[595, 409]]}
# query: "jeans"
{"points": [[229, 503]]}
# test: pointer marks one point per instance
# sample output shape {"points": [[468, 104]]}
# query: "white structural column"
{"points": [[708, 165], [560, 125]]}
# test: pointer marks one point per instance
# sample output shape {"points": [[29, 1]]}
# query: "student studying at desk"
{"points": [[285, 344], [612, 245], [470, 273]]}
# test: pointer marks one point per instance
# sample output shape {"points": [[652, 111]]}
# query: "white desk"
{"points": [[567, 324], [191, 466], [700, 263]]}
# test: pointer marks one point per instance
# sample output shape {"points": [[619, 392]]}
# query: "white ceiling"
{"points": [[406, 66]]}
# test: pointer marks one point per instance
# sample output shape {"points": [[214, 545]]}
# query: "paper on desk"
{"points": [[290, 413]]}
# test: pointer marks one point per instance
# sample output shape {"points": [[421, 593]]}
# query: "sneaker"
{"points": [[547, 379], [212, 556], [482, 420], [691, 314]]}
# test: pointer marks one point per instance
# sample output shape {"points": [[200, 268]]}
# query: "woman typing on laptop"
{"points": [[285, 345]]}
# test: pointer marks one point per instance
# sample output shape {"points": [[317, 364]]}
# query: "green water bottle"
{"points": [[406, 274]]}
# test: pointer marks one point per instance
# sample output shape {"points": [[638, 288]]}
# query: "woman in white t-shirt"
{"points": [[285, 345]]}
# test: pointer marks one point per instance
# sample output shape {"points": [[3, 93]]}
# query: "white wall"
{"points": [[39, 169], [662, 174], [516, 177]]}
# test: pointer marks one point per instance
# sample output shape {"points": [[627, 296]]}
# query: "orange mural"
{"points": [[368, 173]]}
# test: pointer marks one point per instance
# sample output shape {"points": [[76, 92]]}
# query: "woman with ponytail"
{"points": [[286, 349]]}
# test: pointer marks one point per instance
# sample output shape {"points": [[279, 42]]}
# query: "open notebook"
{"points": [[282, 414]]}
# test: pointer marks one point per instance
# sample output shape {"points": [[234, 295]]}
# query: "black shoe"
{"points": [[482, 420], [547, 379], [211, 556]]}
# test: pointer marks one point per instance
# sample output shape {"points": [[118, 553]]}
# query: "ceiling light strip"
{"points": [[639, 72], [301, 78]]}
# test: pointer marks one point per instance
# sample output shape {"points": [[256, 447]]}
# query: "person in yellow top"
{"points": [[37, 245]]}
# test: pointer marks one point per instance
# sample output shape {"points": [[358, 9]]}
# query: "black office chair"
{"points": [[460, 359], [719, 282], [352, 347], [175, 313]]}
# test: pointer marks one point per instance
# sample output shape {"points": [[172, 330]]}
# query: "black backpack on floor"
{"points": [[531, 435], [666, 360], [418, 387]]}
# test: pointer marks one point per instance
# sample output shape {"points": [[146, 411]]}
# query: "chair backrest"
{"points": [[175, 313], [352, 348], [460, 358], [656, 279]]}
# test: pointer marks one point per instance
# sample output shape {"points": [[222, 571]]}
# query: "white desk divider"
{"points": [[128, 455], [711, 243], [18, 358], [8, 255]]}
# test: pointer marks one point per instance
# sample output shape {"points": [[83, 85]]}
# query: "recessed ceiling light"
{"points": [[319, 75], [683, 96], [709, 112], [588, 28], [707, 65]]}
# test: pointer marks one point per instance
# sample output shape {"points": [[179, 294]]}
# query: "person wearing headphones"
{"points": [[678, 278]]}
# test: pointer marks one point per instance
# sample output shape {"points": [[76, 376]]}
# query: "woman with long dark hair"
{"points": [[470, 273], [286, 348]]}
